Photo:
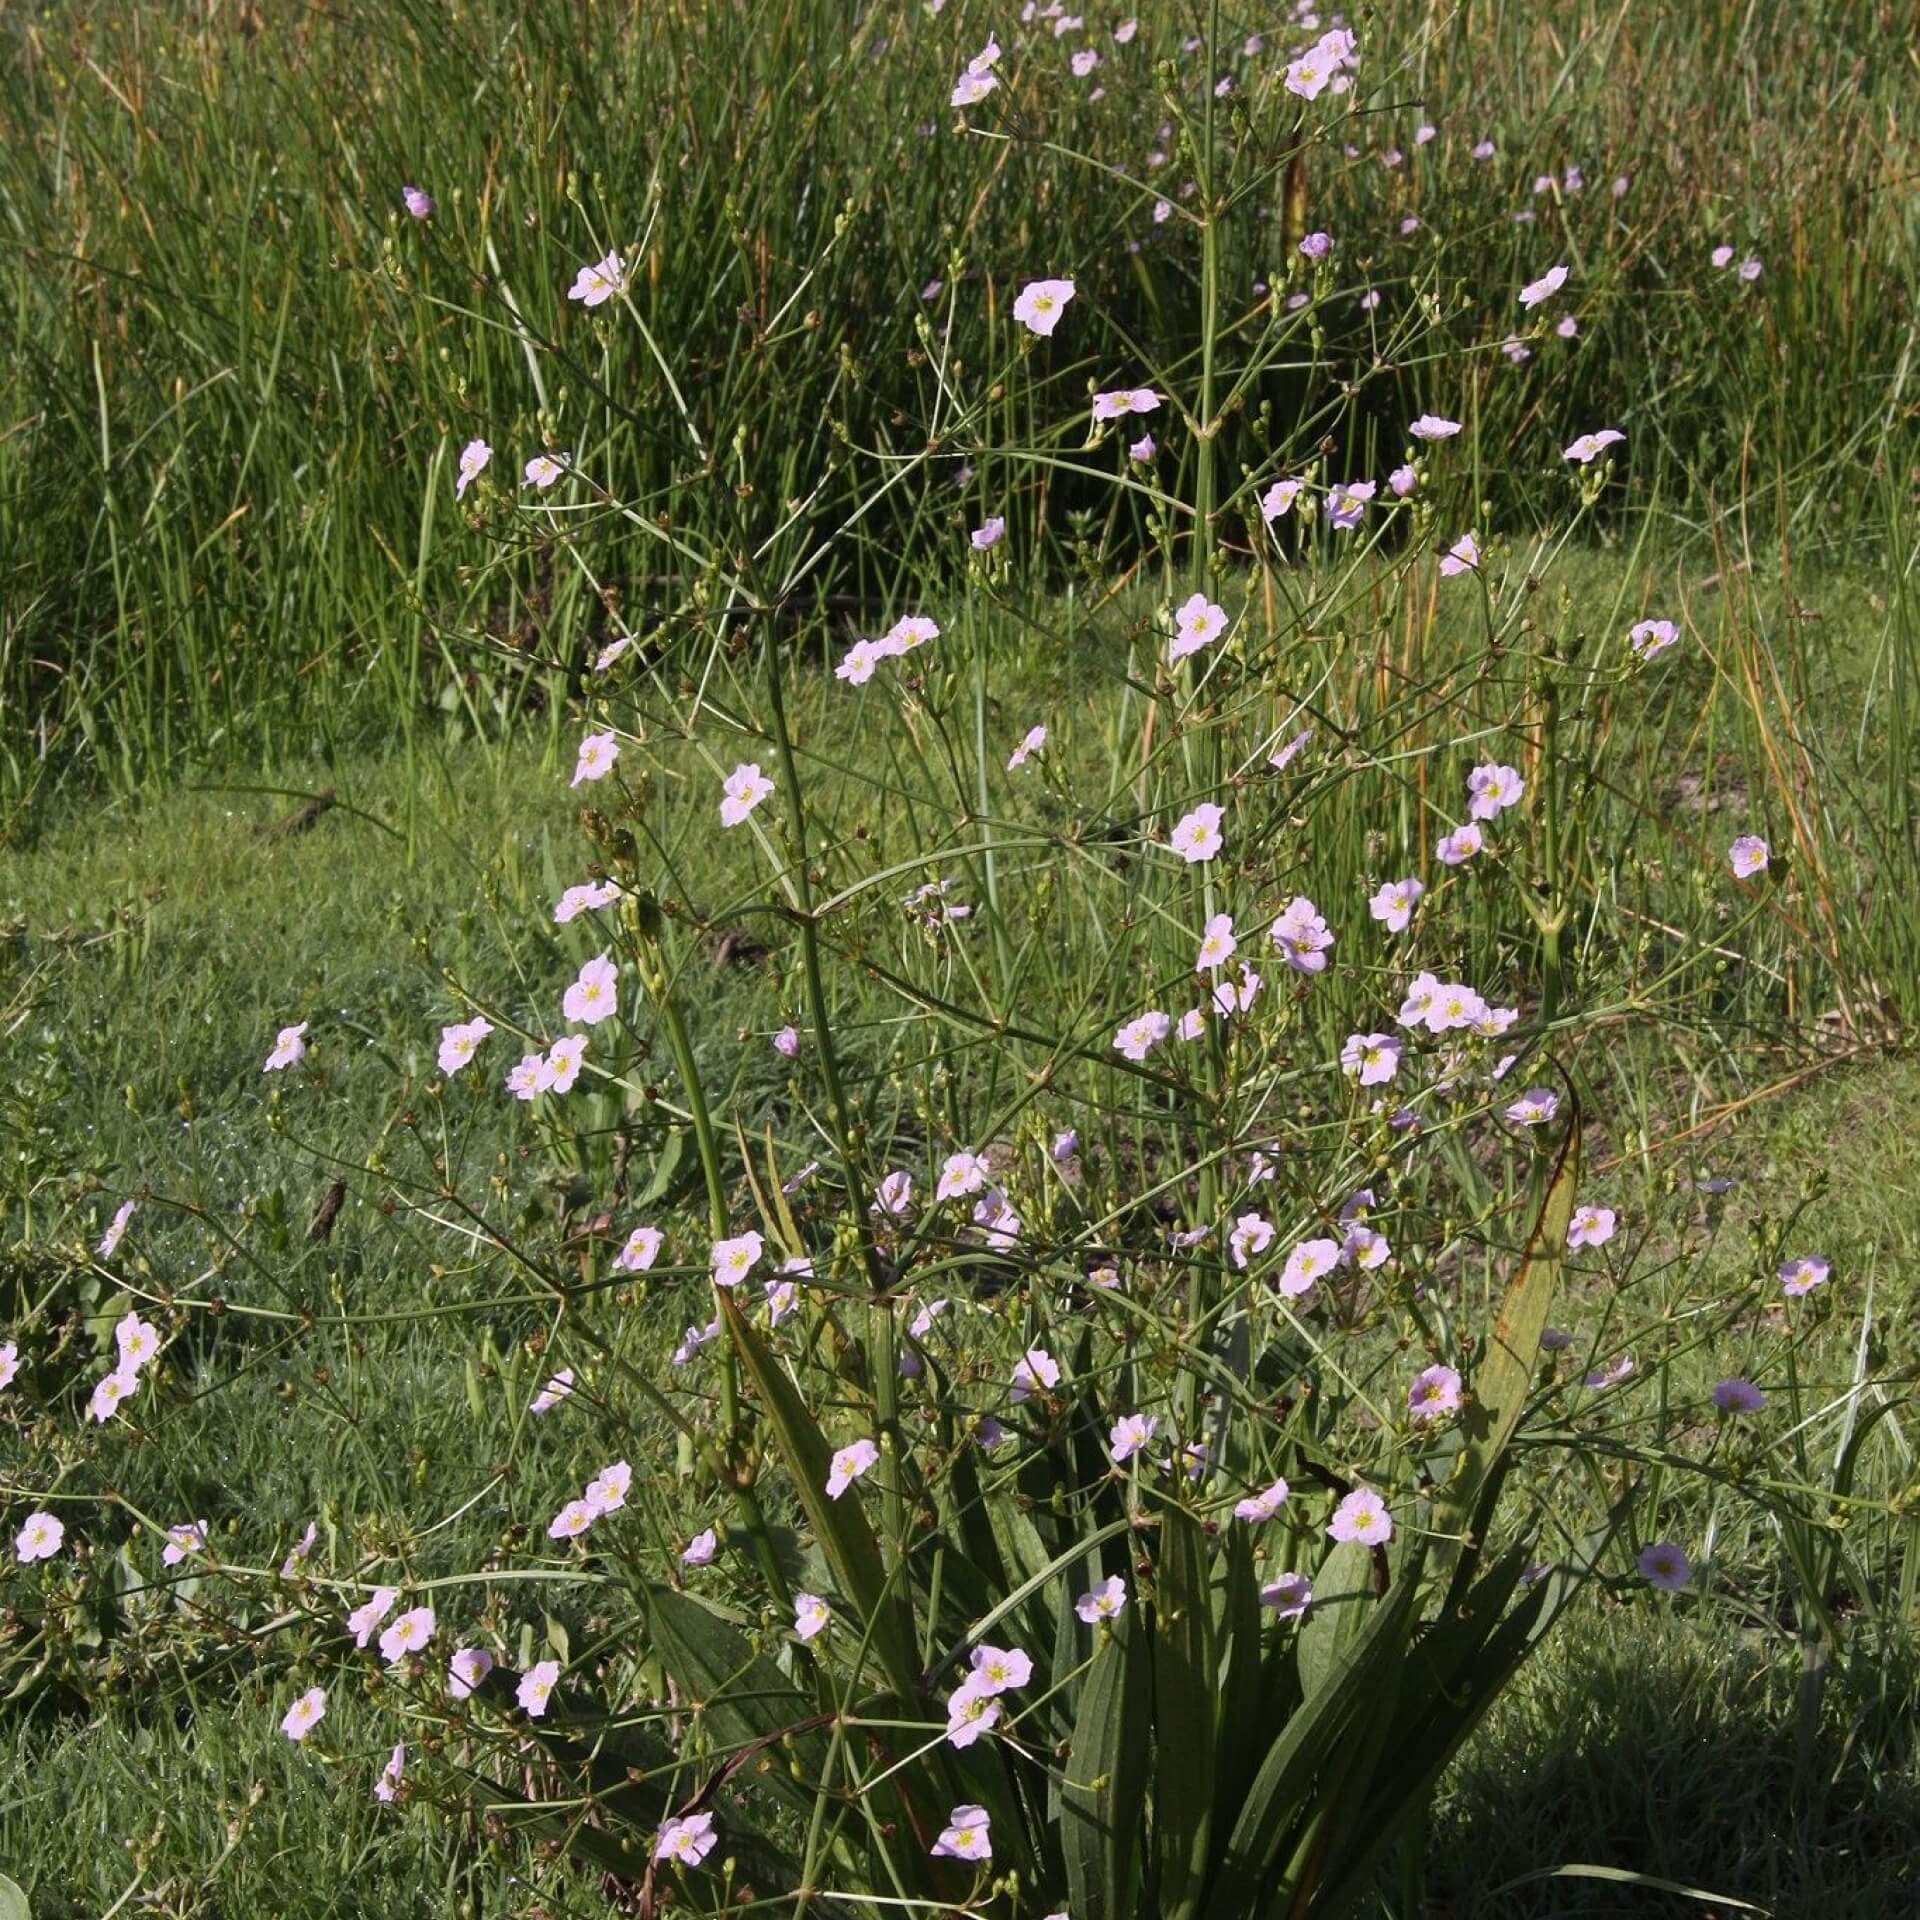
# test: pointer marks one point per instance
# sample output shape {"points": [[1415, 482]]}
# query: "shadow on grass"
{"points": [[1671, 1748]]}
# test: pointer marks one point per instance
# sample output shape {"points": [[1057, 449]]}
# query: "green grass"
{"points": [[237, 376], [152, 948]]}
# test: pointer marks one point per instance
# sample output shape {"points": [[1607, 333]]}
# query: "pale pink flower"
{"points": [[1307, 1263], [556, 1390], [811, 1616], [1544, 288], [467, 1669], [563, 1061], [1803, 1273], [1289, 1596], [1459, 846], [848, 1464], [459, 1041], [962, 1173], [1300, 932], [1036, 1371], [1393, 903], [110, 1390], [473, 459], [535, 1691], [1433, 426], [1084, 61], [858, 663], [409, 1634], [1462, 557], [1435, 1392], [1747, 856], [116, 1231], [1347, 504], [965, 1837], [595, 285], [734, 1259], [999, 1669], [687, 1840], [641, 1250], [700, 1549], [418, 202], [1142, 450], [1493, 789], [137, 1340], [1650, 637], [1362, 1516], [971, 1711], [1534, 1108], [289, 1048], [39, 1539], [743, 790], [1040, 303], [1197, 624], [971, 88], [545, 468], [1217, 944], [1257, 1507], [1590, 1227], [606, 1492], [1589, 446], [1197, 835], [1121, 401], [387, 1787], [1140, 1035], [598, 752], [9, 1363], [1279, 498], [988, 535], [183, 1540], [1252, 1235], [1036, 738], [894, 1195], [1373, 1057], [370, 1612], [1106, 1600], [532, 1076], [305, 1714]]}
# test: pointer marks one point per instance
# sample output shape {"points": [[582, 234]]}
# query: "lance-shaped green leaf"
{"points": [[1506, 1371], [741, 1695], [1183, 1712], [839, 1525], [1342, 1599], [1104, 1793], [1360, 1683], [1240, 1693]]}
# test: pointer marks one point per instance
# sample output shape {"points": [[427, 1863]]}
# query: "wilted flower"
{"points": [[418, 202], [1738, 1396]]}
